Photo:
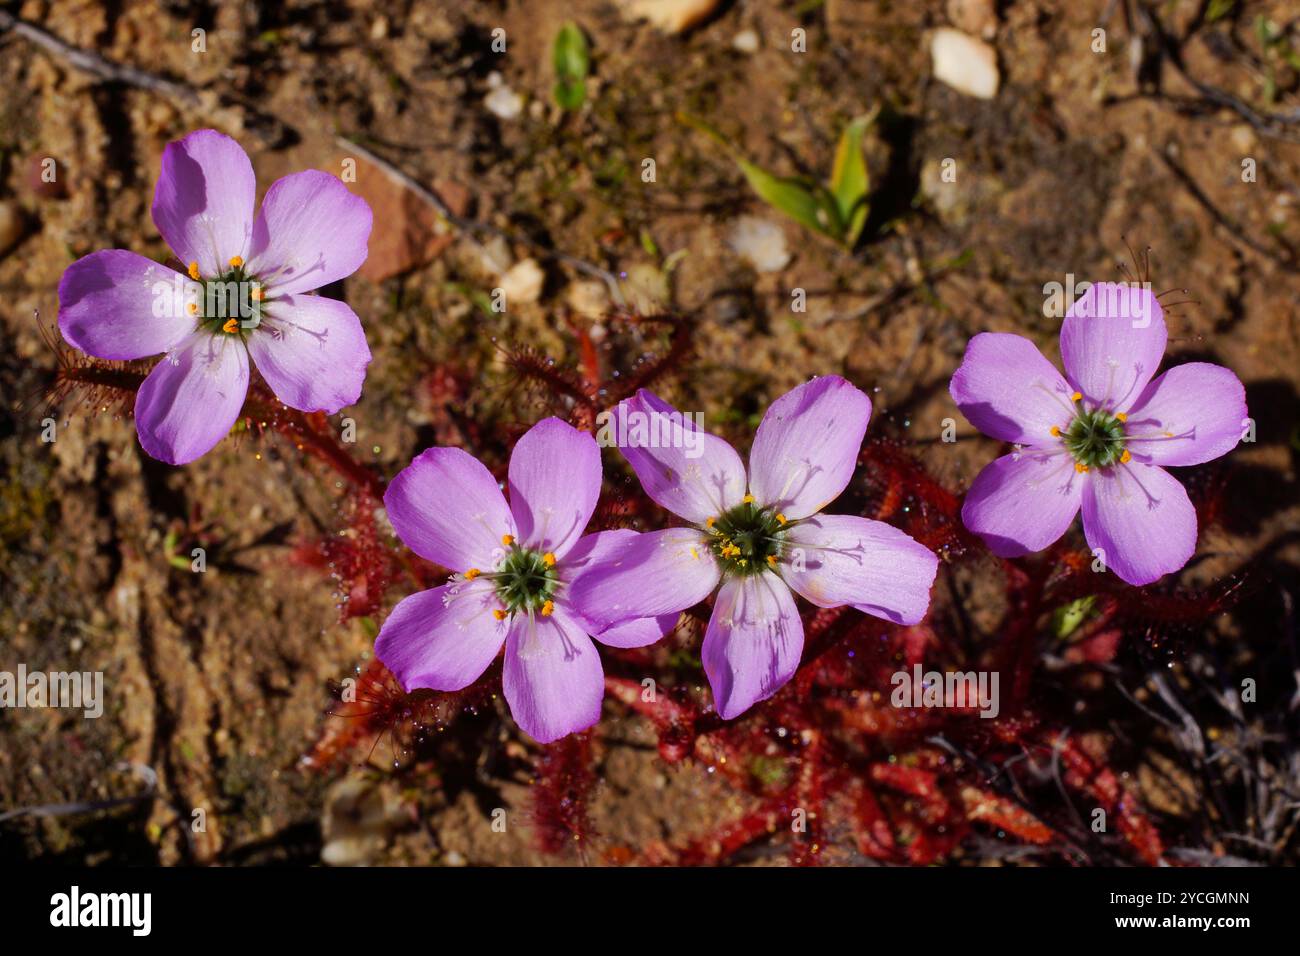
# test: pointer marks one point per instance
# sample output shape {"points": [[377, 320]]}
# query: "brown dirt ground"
{"points": [[218, 681]]}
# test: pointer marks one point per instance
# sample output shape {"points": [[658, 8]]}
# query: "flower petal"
{"points": [[683, 468], [590, 553], [552, 678], [443, 639], [447, 508], [640, 632], [311, 231], [807, 446], [115, 304], [844, 559], [1202, 406], [1112, 341], [192, 397], [1009, 391], [312, 351], [1141, 519], [753, 643], [554, 485], [203, 203], [653, 574], [1023, 502]]}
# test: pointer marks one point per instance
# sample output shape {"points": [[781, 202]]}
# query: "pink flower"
{"points": [[242, 299], [1096, 439], [516, 567], [756, 540]]}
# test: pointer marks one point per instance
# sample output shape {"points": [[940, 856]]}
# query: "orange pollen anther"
{"points": [[231, 326], [507, 539], [1080, 467], [472, 573], [194, 271], [192, 308], [236, 261], [258, 294], [1121, 416], [548, 559], [547, 608], [499, 614], [780, 518], [1056, 431], [749, 499], [1125, 458], [1076, 396]]}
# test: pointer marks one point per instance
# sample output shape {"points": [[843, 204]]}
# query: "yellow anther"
{"points": [[548, 559], [695, 554], [710, 522], [230, 327], [472, 573], [507, 539], [780, 518], [547, 608], [1169, 434], [499, 614], [192, 308], [1121, 416], [1076, 396], [1080, 467], [1056, 431], [771, 559], [258, 294], [194, 271], [1125, 458], [236, 261], [749, 499]]}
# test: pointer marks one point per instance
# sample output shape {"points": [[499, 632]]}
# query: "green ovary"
{"points": [[747, 539], [1096, 439], [526, 581]]}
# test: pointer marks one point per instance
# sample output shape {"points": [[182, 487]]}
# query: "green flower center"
{"points": [[747, 539], [1096, 439], [230, 304], [526, 580]]}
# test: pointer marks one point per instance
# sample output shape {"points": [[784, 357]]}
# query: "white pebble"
{"points": [[968, 65], [760, 242]]}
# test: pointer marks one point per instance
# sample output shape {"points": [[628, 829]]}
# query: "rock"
{"points": [[359, 820], [523, 283], [589, 298], [671, 16], [13, 224], [955, 200], [976, 17], [968, 65], [760, 242], [502, 101], [408, 233], [746, 41], [646, 289]]}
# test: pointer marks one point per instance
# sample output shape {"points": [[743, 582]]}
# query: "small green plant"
{"points": [[572, 62], [837, 209]]}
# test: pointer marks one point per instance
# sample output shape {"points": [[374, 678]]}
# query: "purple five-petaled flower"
{"points": [[516, 567], [761, 539], [1097, 438], [241, 298]]}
